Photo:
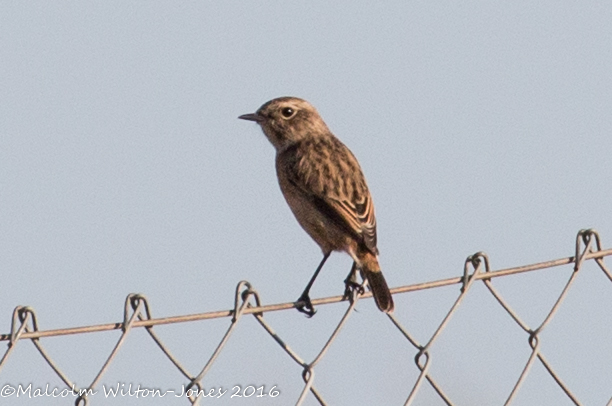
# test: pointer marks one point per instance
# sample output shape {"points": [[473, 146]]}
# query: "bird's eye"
{"points": [[287, 112]]}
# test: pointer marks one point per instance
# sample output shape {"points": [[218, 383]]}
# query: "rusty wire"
{"points": [[246, 301]]}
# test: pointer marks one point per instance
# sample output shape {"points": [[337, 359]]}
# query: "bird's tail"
{"points": [[378, 285]]}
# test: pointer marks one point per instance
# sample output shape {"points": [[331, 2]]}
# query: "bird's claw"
{"points": [[304, 305], [351, 286]]}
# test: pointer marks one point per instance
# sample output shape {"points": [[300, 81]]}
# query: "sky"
{"points": [[480, 126]]}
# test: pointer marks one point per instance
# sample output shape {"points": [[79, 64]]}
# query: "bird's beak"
{"points": [[251, 117]]}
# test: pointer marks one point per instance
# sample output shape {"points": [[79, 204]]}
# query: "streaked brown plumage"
{"points": [[325, 188]]}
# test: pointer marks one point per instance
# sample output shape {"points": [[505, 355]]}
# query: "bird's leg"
{"points": [[351, 284], [304, 304]]}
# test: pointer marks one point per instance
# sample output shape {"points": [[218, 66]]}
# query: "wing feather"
{"points": [[328, 173]]}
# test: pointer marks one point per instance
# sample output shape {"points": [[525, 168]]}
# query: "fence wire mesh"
{"points": [[24, 326]]}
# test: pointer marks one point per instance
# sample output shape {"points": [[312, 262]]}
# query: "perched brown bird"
{"points": [[326, 190]]}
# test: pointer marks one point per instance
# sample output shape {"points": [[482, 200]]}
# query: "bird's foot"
{"points": [[304, 305], [351, 287]]}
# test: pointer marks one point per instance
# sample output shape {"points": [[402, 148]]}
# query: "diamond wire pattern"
{"points": [[137, 314]]}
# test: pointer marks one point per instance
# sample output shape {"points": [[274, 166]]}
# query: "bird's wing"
{"points": [[331, 177]]}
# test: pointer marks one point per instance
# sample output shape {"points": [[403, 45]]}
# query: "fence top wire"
{"points": [[288, 305]]}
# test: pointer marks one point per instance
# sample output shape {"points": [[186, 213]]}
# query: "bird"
{"points": [[327, 192]]}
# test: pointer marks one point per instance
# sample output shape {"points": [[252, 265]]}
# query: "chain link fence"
{"points": [[137, 315]]}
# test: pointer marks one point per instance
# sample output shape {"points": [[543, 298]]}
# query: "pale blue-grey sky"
{"points": [[124, 168]]}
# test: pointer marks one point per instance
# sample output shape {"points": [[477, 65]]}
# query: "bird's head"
{"points": [[288, 120]]}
